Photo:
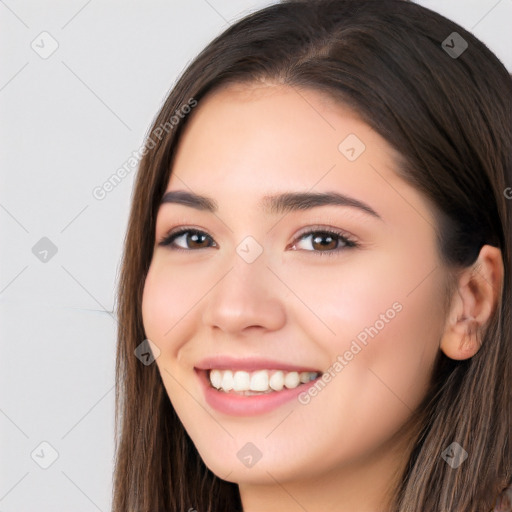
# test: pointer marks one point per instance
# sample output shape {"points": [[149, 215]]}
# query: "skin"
{"points": [[344, 450]]}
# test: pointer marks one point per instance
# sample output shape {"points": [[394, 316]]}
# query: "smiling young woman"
{"points": [[319, 254]]}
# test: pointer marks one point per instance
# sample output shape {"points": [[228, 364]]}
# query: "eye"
{"points": [[326, 242], [186, 239]]}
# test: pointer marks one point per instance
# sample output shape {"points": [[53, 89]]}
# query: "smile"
{"points": [[250, 402], [258, 382]]}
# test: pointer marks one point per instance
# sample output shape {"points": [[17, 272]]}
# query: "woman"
{"points": [[316, 274]]}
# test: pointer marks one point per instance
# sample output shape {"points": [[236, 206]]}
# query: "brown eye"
{"points": [[325, 242], [187, 239]]}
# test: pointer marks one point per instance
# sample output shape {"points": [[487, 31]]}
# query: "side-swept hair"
{"points": [[451, 120]]}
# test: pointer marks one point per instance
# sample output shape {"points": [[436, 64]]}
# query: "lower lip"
{"points": [[238, 405]]}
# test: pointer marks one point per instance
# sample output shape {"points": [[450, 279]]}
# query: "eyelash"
{"points": [[349, 243]]}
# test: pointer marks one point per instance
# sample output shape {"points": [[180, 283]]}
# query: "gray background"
{"points": [[69, 120]]}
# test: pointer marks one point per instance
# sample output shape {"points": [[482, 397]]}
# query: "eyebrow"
{"points": [[273, 205]]}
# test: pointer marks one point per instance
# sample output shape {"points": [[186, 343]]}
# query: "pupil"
{"points": [[326, 237], [196, 237]]}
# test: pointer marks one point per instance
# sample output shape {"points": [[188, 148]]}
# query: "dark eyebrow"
{"points": [[282, 203]]}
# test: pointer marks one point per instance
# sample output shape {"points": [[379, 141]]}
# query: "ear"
{"points": [[473, 303]]}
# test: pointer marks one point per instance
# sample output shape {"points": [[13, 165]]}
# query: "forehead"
{"points": [[247, 154], [274, 131], [245, 142]]}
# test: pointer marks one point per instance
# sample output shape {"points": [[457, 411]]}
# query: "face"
{"points": [[350, 289]]}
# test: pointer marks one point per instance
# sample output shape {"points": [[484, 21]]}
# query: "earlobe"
{"points": [[473, 304]]}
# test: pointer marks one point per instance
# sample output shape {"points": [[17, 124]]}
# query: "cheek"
{"points": [[168, 301], [387, 338], [383, 316], [172, 301], [340, 300], [165, 300], [404, 356], [400, 352], [153, 306]]}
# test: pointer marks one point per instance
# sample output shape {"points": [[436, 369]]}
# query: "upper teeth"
{"points": [[260, 380]]}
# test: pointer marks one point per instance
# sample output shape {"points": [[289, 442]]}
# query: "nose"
{"points": [[248, 296]]}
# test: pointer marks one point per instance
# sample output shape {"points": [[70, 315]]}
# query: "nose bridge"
{"points": [[247, 294]]}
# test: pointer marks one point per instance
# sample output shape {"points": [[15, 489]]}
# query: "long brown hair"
{"points": [[450, 117]]}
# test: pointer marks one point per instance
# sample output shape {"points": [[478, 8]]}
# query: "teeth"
{"points": [[291, 380], [259, 381], [305, 377], [242, 381], [262, 381], [227, 381], [216, 378], [277, 381]]}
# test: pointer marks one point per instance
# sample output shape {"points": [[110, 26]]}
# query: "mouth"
{"points": [[250, 389], [257, 382]]}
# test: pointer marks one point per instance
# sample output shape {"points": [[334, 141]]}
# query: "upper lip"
{"points": [[249, 364]]}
